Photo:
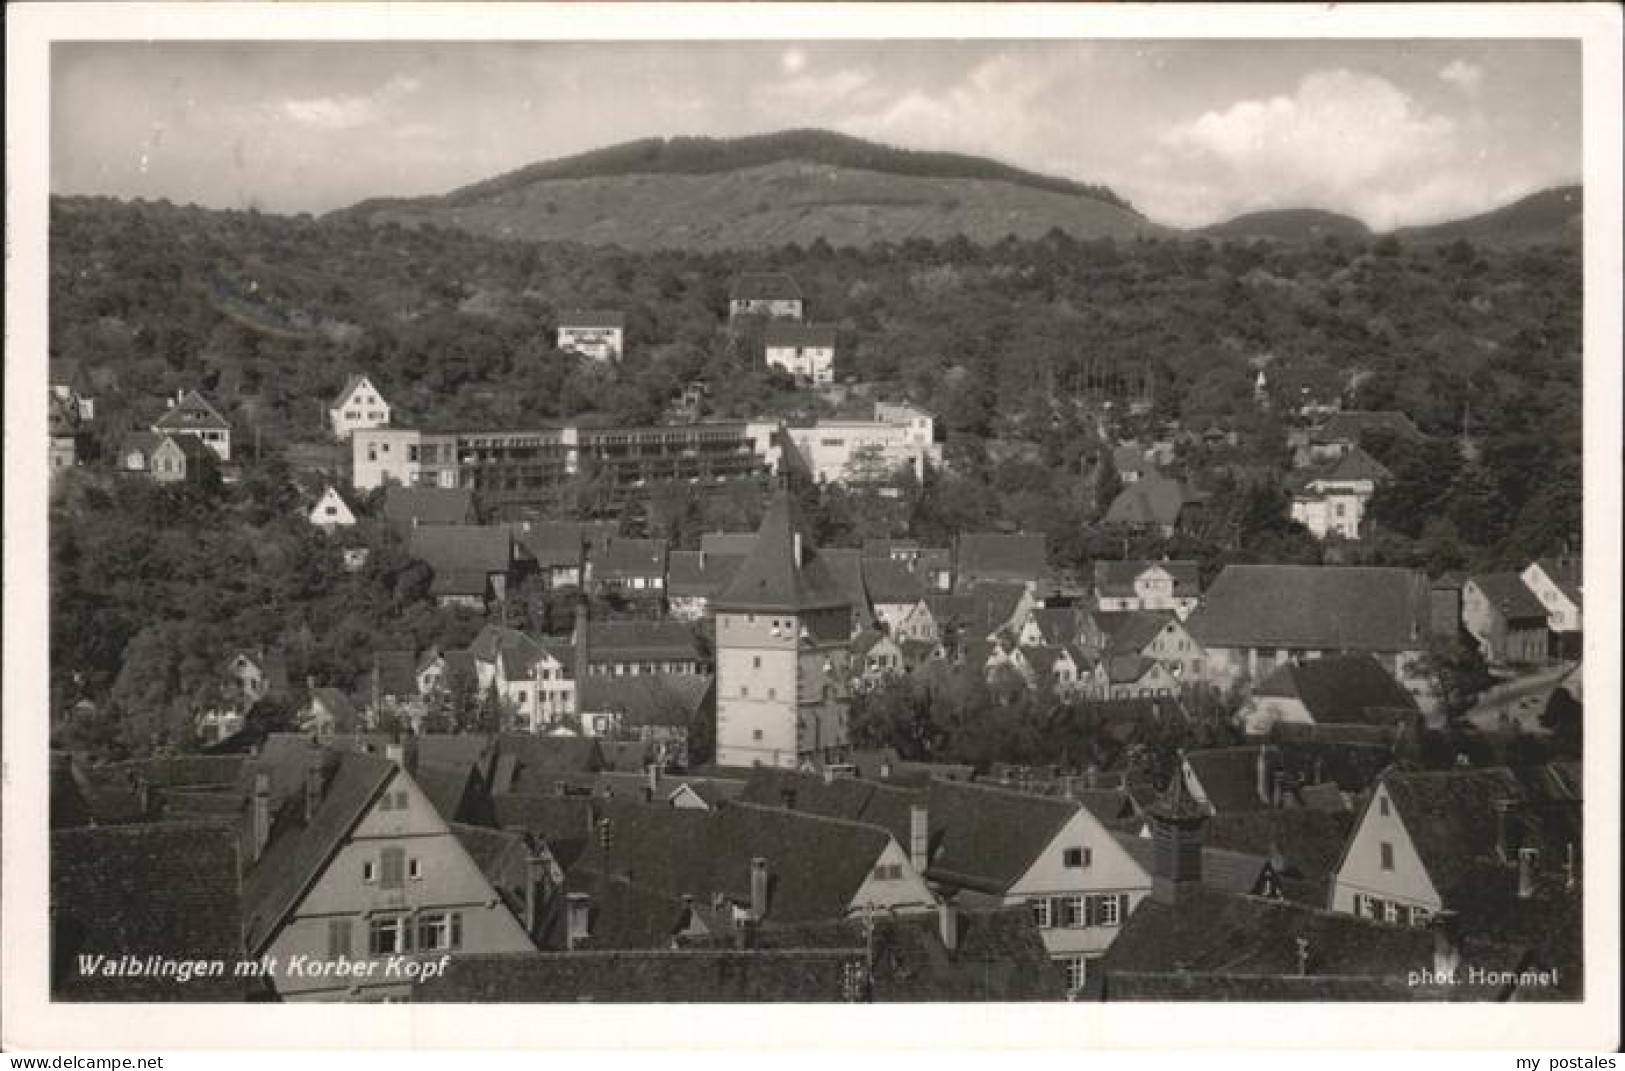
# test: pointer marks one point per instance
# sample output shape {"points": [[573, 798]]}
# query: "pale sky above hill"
{"points": [[1394, 132]]}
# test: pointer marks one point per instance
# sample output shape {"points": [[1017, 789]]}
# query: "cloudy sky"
{"points": [[1393, 132]]}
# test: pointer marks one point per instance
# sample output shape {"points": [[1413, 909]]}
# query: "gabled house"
{"points": [[771, 294], [536, 679], [331, 512], [66, 429], [596, 333], [359, 404], [1504, 616], [658, 877], [1329, 498], [190, 414], [1345, 430], [693, 578], [1257, 617], [632, 568], [1226, 780], [1154, 504], [1131, 677], [409, 508], [255, 674], [181, 459], [806, 351], [1557, 584], [629, 648], [933, 565], [347, 860], [69, 384], [661, 710], [135, 451], [1050, 627], [1064, 668], [1148, 585], [876, 658], [1332, 690], [557, 550], [328, 712], [898, 598], [1157, 635], [991, 557], [1498, 848], [471, 563]]}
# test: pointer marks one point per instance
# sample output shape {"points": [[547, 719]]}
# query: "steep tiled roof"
{"points": [[765, 286], [531, 764], [462, 548], [646, 699], [770, 578], [997, 556], [551, 544], [609, 641], [599, 318], [1510, 596], [428, 506], [1451, 818], [1328, 608], [696, 574], [631, 557], [780, 333], [728, 544], [1341, 689], [1131, 631], [143, 442], [1153, 500], [192, 413], [396, 673], [875, 803], [1116, 578], [351, 382], [451, 789], [1128, 669], [845, 567], [190, 446], [1229, 778], [655, 856], [1059, 625], [979, 611], [298, 851], [889, 582], [1303, 843], [1351, 425], [989, 837], [566, 823], [165, 890]]}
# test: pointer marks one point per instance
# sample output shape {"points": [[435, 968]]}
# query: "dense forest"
{"points": [[1036, 356]]}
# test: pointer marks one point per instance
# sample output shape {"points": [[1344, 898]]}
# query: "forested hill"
{"points": [[1288, 225], [1553, 215], [772, 189]]}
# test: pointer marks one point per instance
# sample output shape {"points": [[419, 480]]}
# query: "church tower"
{"points": [[782, 629]]}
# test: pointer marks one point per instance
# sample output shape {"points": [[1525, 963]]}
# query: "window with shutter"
{"points": [[338, 937], [392, 868]]}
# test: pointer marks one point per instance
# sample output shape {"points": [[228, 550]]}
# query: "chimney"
{"points": [[1503, 829], [1263, 770], [313, 787], [652, 771], [1446, 945], [535, 886], [758, 889], [260, 830], [797, 537], [919, 838], [578, 644], [579, 928], [1526, 873], [948, 926], [1176, 842], [1303, 956]]}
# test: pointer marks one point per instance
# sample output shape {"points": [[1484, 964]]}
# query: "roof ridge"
{"points": [[768, 808]]}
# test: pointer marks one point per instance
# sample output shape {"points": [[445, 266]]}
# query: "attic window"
{"points": [[1387, 856], [414, 869], [1382, 806], [369, 873], [1077, 857]]}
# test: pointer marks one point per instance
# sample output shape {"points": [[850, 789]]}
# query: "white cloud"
{"points": [[792, 61], [1465, 76], [1342, 140], [353, 110]]}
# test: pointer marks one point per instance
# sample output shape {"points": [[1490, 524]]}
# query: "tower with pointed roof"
{"points": [[782, 626]]}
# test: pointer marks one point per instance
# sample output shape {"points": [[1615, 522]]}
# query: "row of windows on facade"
{"points": [[431, 931], [1078, 912], [355, 414], [1390, 911]]}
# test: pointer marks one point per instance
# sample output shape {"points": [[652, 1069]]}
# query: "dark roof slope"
{"points": [[463, 548], [1510, 596], [631, 557], [765, 286], [1229, 776], [890, 582], [989, 837], [697, 574], [645, 699], [998, 556], [165, 890], [771, 577], [404, 506], [1351, 425], [850, 798], [297, 852], [592, 318], [192, 413], [1351, 689], [1152, 500], [780, 333], [1332, 608], [609, 641], [1116, 578]]}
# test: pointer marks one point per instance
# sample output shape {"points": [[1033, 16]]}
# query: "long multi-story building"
{"points": [[510, 469]]}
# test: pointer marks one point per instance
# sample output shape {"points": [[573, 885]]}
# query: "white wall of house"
{"points": [[893, 884], [598, 343], [1379, 876], [1332, 509], [1562, 615], [364, 407], [814, 363], [331, 512]]}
